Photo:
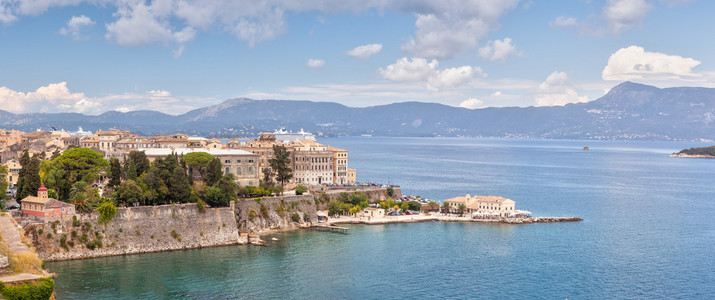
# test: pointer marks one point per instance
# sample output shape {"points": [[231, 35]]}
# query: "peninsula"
{"points": [[704, 152]]}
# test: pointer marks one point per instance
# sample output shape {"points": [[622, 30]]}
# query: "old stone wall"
{"points": [[136, 230], [275, 213]]}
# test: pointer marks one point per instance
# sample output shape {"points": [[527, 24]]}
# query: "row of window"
{"points": [[238, 171], [238, 161]]}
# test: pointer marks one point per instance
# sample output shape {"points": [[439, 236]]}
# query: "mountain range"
{"points": [[629, 111]]}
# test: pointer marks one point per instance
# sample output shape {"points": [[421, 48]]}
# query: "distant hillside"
{"points": [[629, 111]]}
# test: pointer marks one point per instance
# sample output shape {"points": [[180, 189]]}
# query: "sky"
{"points": [[176, 55]]}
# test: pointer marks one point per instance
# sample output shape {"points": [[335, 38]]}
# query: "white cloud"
{"points": [[443, 29], [623, 14], [365, 51], [497, 50], [140, 25], [556, 90], [44, 99], [57, 97], [448, 28], [420, 70], [75, 25], [634, 63], [472, 103], [563, 21], [497, 94], [315, 63]]}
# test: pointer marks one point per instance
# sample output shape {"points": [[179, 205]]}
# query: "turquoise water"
{"points": [[648, 232]]}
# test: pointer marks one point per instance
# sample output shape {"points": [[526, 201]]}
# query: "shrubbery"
{"points": [[40, 290]]}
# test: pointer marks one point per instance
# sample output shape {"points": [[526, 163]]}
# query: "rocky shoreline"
{"points": [[691, 155], [423, 218]]}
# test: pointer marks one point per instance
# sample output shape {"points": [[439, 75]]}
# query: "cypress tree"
{"points": [[179, 186], [115, 173]]}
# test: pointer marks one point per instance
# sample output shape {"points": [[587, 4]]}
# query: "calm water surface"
{"points": [[648, 232]]}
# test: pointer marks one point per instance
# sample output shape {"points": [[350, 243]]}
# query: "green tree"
{"points": [[140, 161], [213, 172], [390, 192], [300, 189], [268, 176], [129, 192], [445, 207], [115, 173], [404, 206], [215, 197], [280, 164], [433, 206], [107, 212], [179, 186], [357, 198], [81, 164], [461, 209], [414, 205], [3, 182], [55, 154], [131, 171], [197, 163], [29, 178]]}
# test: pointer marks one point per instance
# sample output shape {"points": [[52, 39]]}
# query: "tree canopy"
{"points": [[280, 164], [80, 164]]}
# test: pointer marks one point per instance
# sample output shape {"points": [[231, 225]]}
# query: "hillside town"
{"points": [[312, 162]]}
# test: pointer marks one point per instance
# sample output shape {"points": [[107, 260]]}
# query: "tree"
{"points": [[268, 175], [129, 192], [141, 162], [107, 212], [55, 154], [223, 192], [404, 206], [390, 192], [131, 173], [215, 197], [29, 180], [3, 181], [357, 198], [115, 172], [280, 164], [81, 164], [461, 209], [213, 172], [300, 189], [179, 186], [414, 205], [445, 207]]}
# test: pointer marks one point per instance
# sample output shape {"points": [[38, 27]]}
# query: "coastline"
{"points": [[438, 218], [683, 155]]}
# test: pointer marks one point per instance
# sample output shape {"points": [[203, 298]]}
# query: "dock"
{"points": [[332, 228]]}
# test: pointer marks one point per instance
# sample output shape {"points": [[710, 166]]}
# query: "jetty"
{"points": [[325, 227]]}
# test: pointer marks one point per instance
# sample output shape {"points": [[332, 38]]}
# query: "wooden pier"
{"points": [[332, 228]]}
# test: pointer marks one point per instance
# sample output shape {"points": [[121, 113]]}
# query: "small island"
{"points": [[706, 152]]}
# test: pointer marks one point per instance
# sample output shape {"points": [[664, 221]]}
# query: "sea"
{"points": [[648, 232]]}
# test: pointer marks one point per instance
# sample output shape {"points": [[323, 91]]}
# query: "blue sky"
{"points": [[176, 55]]}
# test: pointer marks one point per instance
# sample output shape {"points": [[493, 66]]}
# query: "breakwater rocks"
{"points": [[136, 230], [423, 218]]}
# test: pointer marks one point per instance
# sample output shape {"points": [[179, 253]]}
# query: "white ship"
{"points": [[288, 136], [80, 132]]}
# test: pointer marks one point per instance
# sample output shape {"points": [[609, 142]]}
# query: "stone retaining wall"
{"points": [[138, 230]]}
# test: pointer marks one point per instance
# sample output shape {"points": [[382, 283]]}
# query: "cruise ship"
{"points": [[288, 136]]}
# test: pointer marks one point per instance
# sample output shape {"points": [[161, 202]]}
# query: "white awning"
{"points": [[321, 214]]}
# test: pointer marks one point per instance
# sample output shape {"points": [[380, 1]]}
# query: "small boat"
{"points": [[274, 239], [586, 149]]}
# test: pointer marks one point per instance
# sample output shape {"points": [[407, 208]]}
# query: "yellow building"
{"points": [[485, 205], [352, 176], [13, 172]]}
